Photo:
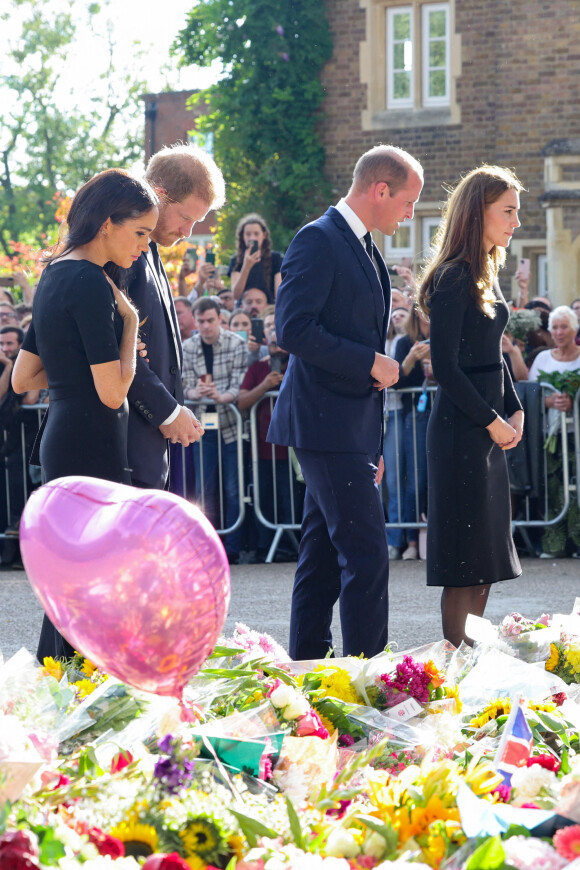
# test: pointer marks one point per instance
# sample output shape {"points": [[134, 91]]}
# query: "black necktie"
{"points": [[368, 240]]}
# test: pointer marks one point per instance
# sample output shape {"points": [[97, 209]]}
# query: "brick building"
{"points": [[456, 83], [459, 83]]}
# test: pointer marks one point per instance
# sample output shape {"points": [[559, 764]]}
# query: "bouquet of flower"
{"points": [[523, 321], [564, 382], [564, 660]]}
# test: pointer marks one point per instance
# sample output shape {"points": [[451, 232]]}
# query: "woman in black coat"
{"points": [[469, 541]]}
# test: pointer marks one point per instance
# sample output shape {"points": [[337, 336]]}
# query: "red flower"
{"points": [[165, 862], [106, 844], [120, 760], [559, 698], [544, 760], [19, 851], [567, 842]]}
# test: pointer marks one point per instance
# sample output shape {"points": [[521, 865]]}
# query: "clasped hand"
{"points": [[507, 434], [385, 371]]}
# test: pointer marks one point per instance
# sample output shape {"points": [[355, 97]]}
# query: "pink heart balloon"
{"points": [[136, 580]]}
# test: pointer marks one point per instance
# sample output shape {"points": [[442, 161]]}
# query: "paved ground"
{"points": [[261, 599]]}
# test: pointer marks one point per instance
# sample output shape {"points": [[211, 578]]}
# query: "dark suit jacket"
{"points": [[156, 388], [331, 316]]}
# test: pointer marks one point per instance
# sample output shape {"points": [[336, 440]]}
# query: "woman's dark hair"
{"points": [[460, 235], [265, 250], [111, 194]]}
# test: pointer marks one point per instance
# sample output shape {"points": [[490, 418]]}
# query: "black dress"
{"points": [[75, 324], [469, 539]]}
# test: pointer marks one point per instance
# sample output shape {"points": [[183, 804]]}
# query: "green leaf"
{"points": [[252, 828], [51, 850], [489, 856], [295, 825], [386, 831]]}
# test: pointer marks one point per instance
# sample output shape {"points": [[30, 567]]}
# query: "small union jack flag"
{"points": [[516, 743]]}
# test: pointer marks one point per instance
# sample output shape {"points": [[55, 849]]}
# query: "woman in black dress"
{"points": [[83, 338], [255, 264], [469, 542]]}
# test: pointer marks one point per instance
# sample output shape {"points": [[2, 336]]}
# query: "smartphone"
{"points": [[524, 267], [210, 257], [276, 364], [206, 379], [253, 246], [397, 281], [6, 281], [258, 329], [191, 255]]}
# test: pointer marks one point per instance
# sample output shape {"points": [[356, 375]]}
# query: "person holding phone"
{"points": [[469, 538], [255, 264]]}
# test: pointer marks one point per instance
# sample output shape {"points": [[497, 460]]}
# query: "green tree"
{"points": [[262, 114], [47, 146]]}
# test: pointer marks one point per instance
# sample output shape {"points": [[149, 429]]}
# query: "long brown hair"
{"points": [[265, 250], [460, 235]]}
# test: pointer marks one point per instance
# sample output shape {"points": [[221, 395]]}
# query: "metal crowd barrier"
{"points": [[532, 512]]}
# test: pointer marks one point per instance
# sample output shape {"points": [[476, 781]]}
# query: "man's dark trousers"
{"points": [[335, 562]]}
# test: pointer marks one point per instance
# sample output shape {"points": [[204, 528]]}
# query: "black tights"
{"points": [[456, 603]]}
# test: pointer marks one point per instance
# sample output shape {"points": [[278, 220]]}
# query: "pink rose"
{"points": [[310, 725]]}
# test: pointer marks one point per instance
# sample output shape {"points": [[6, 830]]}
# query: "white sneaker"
{"points": [[394, 553], [411, 552]]}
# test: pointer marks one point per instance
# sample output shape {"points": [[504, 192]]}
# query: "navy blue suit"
{"points": [[156, 387], [331, 315]]}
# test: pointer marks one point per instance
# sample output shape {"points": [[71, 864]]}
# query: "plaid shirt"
{"points": [[230, 362]]}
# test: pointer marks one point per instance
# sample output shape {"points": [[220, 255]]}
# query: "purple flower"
{"points": [[280, 30], [285, 56], [165, 744]]}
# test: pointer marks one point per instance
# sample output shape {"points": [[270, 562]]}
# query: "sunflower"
{"points": [[53, 667], [84, 687], [497, 707], [201, 837], [554, 658], [140, 840], [88, 668]]}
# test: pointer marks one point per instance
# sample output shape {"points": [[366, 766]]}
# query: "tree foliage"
{"points": [[263, 112], [46, 146]]}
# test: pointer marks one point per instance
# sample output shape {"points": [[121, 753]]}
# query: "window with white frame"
{"points": [[542, 266], [400, 56], [429, 226], [435, 54], [402, 243], [418, 56]]}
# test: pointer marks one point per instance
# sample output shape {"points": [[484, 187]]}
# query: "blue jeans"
{"points": [[415, 498], [394, 463], [220, 508]]}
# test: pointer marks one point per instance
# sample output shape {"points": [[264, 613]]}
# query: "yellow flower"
{"points": [[572, 656], [84, 688], [497, 707], [139, 840], [201, 837], [88, 668], [453, 692], [53, 667], [336, 683], [554, 658], [196, 863], [482, 776], [236, 845]]}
